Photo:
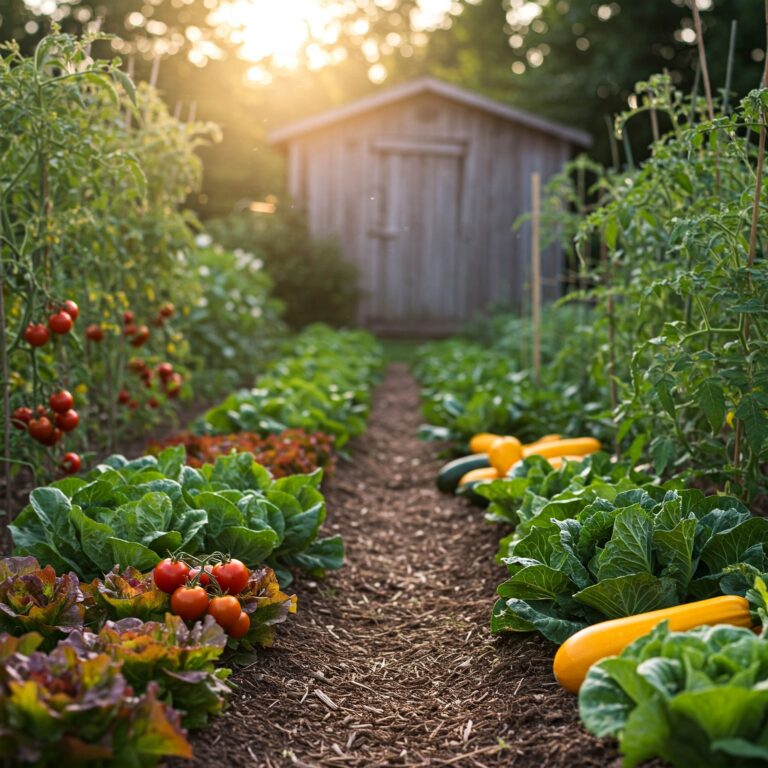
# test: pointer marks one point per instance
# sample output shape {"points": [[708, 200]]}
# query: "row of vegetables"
{"points": [[654, 593], [136, 587]]}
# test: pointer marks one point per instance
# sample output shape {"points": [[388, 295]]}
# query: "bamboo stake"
{"points": [[753, 227], [614, 145], [729, 67], [705, 79], [536, 273], [702, 59], [155, 73]]}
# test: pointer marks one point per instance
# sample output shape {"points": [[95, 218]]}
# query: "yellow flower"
{"points": [[729, 419], [81, 389]]}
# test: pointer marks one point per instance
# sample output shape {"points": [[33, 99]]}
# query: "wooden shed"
{"points": [[421, 184]]}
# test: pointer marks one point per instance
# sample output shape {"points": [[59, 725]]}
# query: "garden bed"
{"points": [[389, 661]]}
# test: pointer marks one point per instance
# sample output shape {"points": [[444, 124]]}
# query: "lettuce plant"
{"points": [[695, 698], [585, 561], [59, 709], [36, 599], [267, 606], [128, 594], [180, 661], [132, 513]]}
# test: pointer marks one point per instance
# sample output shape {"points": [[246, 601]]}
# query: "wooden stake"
{"points": [[729, 67], [702, 59], [612, 140], [754, 224], [155, 73], [536, 273]]}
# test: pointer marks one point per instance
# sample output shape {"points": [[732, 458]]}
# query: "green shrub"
{"points": [[311, 276]]}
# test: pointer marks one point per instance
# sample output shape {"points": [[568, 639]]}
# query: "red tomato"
{"points": [[165, 371], [68, 420], [129, 329], [60, 323], [71, 309], [128, 317], [167, 309], [173, 385], [205, 576], [54, 438], [21, 417], [70, 463], [41, 429], [94, 332], [140, 336], [240, 627], [123, 396], [137, 365], [36, 335], [232, 576], [225, 609], [189, 602], [170, 574], [153, 403], [133, 404], [61, 401]]}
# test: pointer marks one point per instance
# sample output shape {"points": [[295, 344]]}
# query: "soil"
{"points": [[389, 662]]}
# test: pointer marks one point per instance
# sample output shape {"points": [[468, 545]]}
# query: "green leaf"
{"points": [[535, 582], [630, 594], [94, 539], [752, 413], [630, 549], [662, 453], [728, 547], [131, 553], [252, 547], [712, 401]]}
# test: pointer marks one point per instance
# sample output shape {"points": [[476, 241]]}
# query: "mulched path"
{"points": [[389, 662]]}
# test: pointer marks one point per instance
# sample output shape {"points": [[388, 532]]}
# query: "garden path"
{"points": [[389, 662]]}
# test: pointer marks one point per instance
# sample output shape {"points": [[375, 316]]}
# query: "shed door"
{"points": [[417, 280]]}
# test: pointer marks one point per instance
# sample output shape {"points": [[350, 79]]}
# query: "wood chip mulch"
{"points": [[389, 662]]}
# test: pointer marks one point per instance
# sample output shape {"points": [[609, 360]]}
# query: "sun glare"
{"points": [[279, 30]]}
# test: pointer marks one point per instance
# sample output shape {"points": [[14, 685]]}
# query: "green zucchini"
{"points": [[449, 476]]}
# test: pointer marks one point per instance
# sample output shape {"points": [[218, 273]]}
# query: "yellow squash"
{"points": [[609, 638], [476, 475], [575, 446], [546, 439], [482, 442], [505, 452]]}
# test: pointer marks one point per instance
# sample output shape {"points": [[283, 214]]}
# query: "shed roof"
{"points": [[433, 86]]}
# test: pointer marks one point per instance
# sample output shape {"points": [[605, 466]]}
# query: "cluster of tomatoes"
{"points": [[48, 426], [169, 381], [60, 322], [206, 588]]}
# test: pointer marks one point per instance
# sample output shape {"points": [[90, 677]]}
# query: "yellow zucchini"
{"points": [[546, 439], [482, 442], [505, 452], [609, 638], [476, 475], [575, 446], [557, 461]]}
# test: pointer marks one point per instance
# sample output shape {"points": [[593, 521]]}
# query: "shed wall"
{"points": [[338, 174]]}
